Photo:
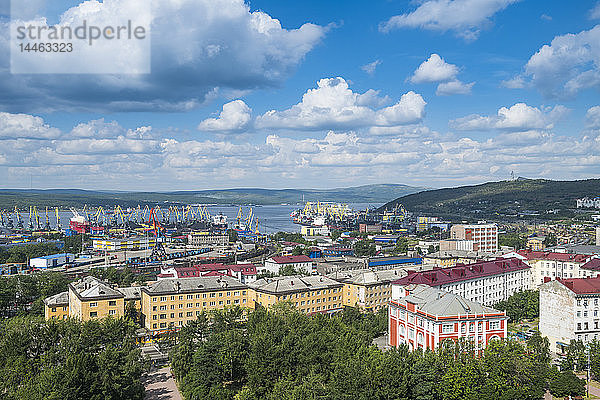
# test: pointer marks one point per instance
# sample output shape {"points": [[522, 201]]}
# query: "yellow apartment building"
{"points": [[171, 303], [310, 294], [366, 289], [57, 306], [91, 298]]}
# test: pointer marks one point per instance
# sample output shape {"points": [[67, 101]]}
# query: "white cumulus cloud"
{"points": [[235, 117], [568, 65], [332, 104], [434, 69], [519, 117], [466, 18], [199, 47], [13, 126]]}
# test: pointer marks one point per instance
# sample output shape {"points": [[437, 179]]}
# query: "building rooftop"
{"points": [[53, 256], [582, 285], [459, 273], [367, 276], [440, 303], [61, 299], [193, 285], [202, 269], [131, 293], [448, 254], [554, 256], [291, 259], [380, 261], [90, 288], [296, 283]]}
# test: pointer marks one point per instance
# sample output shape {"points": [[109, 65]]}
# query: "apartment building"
{"points": [[547, 264], [484, 236], [458, 244], [367, 289], [57, 306], [450, 258], [485, 282], [245, 273], [422, 317], [90, 298], [569, 309], [171, 303], [309, 294], [300, 263]]}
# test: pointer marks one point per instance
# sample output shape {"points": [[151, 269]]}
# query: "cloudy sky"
{"points": [[315, 94]]}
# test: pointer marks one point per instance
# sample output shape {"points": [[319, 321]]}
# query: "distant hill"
{"points": [[519, 198], [9, 198]]}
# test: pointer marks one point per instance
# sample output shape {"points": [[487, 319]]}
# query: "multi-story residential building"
{"points": [[205, 239], [300, 263], [423, 317], [309, 294], [367, 289], [171, 303], [424, 223], [57, 306], [91, 298], [484, 235], [458, 244], [245, 273], [450, 258], [554, 265], [485, 282], [569, 309], [536, 243]]}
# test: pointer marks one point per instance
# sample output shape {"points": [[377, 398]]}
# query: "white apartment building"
{"points": [[569, 309], [485, 282], [300, 263], [546, 264], [484, 236]]}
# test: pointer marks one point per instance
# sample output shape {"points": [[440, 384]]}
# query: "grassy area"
{"points": [[523, 326]]}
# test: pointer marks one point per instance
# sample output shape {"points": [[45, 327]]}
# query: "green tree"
{"points": [[521, 305], [565, 383], [512, 239], [550, 240], [364, 247]]}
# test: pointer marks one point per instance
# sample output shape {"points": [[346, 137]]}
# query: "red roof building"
{"points": [[547, 264], [553, 256], [424, 317], [485, 282]]}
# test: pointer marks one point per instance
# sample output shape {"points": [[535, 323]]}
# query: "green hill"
{"points": [[378, 194], [500, 200]]}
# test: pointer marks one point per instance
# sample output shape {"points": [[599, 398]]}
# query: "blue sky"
{"points": [[489, 87]]}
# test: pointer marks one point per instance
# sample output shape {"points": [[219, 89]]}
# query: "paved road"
{"points": [[160, 385]]}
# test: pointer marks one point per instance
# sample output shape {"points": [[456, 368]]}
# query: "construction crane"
{"points": [[158, 251], [58, 227]]}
